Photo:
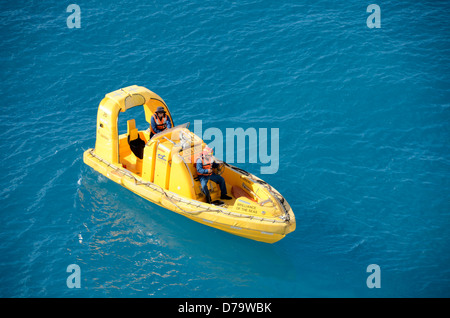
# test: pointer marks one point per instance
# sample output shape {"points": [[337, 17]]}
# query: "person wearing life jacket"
{"points": [[159, 122], [204, 166]]}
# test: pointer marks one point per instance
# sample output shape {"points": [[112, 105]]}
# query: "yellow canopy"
{"points": [[107, 142]]}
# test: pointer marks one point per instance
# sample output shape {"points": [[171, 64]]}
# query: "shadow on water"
{"points": [[120, 222]]}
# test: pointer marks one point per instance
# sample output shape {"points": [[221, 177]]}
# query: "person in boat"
{"points": [[159, 122], [204, 166]]}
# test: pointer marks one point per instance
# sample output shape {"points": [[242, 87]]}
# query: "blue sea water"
{"points": [[363, 117]]}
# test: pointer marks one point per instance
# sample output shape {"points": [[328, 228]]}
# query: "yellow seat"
{"points": [[131, 124], [133, 135]]}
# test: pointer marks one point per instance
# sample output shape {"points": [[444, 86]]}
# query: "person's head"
{"points": [[160, 112], [207, 152]]}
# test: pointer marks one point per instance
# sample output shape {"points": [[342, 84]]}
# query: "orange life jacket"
{"points": [[160, 124], [206, 164]]}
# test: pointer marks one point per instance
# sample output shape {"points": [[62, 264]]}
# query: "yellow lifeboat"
{"points": [[162, 170]]}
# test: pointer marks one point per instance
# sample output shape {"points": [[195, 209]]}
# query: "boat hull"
{"points": [[268, 230]]}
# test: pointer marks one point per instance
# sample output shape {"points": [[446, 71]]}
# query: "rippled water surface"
{"points": [[363, 117]]}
